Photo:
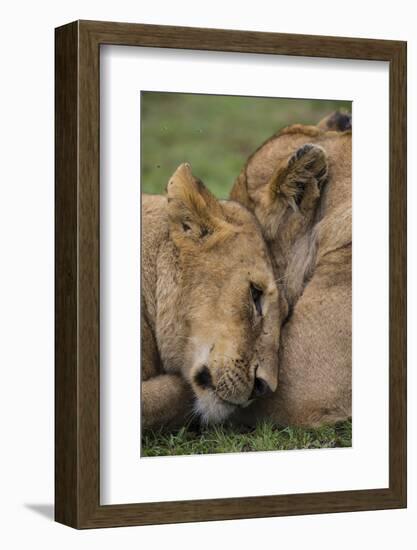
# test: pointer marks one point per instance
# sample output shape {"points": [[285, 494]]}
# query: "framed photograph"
{"points": [[230, 274]]}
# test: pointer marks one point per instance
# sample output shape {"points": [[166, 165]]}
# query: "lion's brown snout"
{"points": [[204, 379]]}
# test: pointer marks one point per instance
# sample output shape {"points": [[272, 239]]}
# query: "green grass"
{"points": [[215, 134], [228, 439]]}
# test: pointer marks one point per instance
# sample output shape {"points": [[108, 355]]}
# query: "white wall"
{"points": [[26, 274]]}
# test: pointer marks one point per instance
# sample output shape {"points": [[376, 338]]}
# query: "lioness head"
{"points": [[230, 305], [284, 183]]}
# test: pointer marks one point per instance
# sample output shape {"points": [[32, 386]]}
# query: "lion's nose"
{"points": [[203, 378], [260, 388]]}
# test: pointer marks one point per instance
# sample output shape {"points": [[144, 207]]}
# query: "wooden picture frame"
{"points": [[77, 375]]}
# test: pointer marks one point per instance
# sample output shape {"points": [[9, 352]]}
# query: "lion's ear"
{"points": [[194, 213], [299, 180], [337, 121]]}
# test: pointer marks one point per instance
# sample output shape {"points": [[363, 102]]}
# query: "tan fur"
{"points": [[199, 258], [311, 246]]}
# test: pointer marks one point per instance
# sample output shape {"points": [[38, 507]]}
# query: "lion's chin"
{"points": [[211, 409]]}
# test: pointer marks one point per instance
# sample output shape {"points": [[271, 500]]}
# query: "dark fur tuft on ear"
{"points": [[337, 121]]}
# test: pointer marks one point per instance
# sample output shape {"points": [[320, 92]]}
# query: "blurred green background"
{"points": [[215, 134]]}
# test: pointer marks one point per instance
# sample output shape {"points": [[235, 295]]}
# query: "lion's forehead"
{"points": [[239, 216], [246, 246]]}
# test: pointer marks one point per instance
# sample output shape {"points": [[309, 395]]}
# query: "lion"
{"points": [[298, 185], [211, 310]]}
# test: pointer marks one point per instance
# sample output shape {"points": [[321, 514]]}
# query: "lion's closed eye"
{"points": [[257, 295]]}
